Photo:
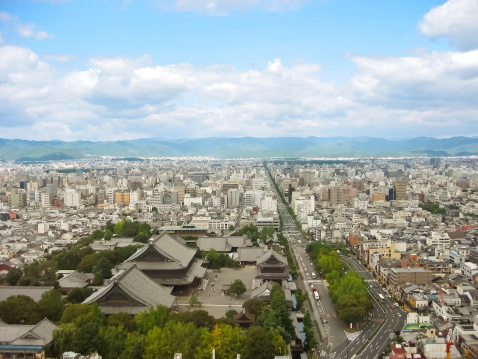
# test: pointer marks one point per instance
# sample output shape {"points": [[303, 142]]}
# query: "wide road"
{"points": [[395, 317], [337, 343]]}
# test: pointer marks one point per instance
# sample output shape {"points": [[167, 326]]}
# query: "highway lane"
{"points": [[336, 344], [395, 318]]}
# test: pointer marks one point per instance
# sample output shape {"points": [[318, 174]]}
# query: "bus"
{"points": [[381, 297]]}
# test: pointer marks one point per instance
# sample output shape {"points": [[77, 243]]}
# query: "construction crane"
{"points": [[448, 341]]}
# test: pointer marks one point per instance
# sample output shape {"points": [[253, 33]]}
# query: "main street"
{"points": [[337, 342]]}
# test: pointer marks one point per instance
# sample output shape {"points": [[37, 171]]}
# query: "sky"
{"points": [[102, 70]]}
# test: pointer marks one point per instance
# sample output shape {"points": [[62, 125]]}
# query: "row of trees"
{"points": [[290, 258], [251, 231], [83, 259], [348, 291], [433, 208], [160, 334], [21, 309], [219, 260], [289, 208]]}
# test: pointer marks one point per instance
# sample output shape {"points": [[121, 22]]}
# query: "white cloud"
{"points": [[5, 16], [24, 29], [456, 20], [117, 98], [59, 57], [28, 30], [437, 79], [224, 7]]}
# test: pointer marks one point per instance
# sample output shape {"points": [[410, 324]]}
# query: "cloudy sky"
{"points": [[126, 69]]}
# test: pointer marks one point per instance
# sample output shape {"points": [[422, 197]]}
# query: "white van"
{"points": [[313, 275], [316, 295]]}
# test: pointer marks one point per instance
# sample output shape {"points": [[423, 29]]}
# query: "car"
{"points": [[392, 306], [324, 321], [314, 289]]}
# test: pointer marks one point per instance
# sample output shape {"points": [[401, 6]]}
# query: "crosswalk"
{"points": [[352, 336]]}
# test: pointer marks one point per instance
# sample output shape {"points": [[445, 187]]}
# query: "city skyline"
{"points": [[121, 70]]}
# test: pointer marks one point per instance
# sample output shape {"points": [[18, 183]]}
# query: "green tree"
{"points": [[78, 295], [84, 338], [51, 305], [19, 309], [349, 309], [141, 237], [212, 257], [104, 266], [98, 279], [300, 298], [174, 337], [257, 344], [112, 341], [278, 343], [154, 209], [194, 301], [119, 228], [124, 319], [124, 253], [200, 318], [237, 287], [13, 275], [227, 341], [74, 313], [144, 227], [89, 261], [230, 313], [254, 306], [155, 317], [351, 284], [108, 234], [63, 338], [281, 310], [231, 228], [130, 229], [134, 346], [309, 331], [97, 235]]}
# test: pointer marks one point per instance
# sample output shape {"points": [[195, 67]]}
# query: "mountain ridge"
{"points": [[239, 147]]}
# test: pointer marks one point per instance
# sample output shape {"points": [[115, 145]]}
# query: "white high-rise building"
{"points": [[45, 200], [72, 198], [233, 198], [269, 203], [260, 183], [253, 198]]}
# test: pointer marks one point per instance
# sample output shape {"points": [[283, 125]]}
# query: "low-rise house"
{"points": [[26, 341], [34, 293], [76, 280]]}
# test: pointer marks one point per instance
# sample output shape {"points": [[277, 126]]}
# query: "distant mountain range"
{"points": [[244, 147]]}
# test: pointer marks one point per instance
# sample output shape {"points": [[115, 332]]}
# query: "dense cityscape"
{"points": [[238, 179], [200, 257]]}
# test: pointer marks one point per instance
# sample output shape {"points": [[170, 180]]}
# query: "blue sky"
{"points": [[118, 69]]}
